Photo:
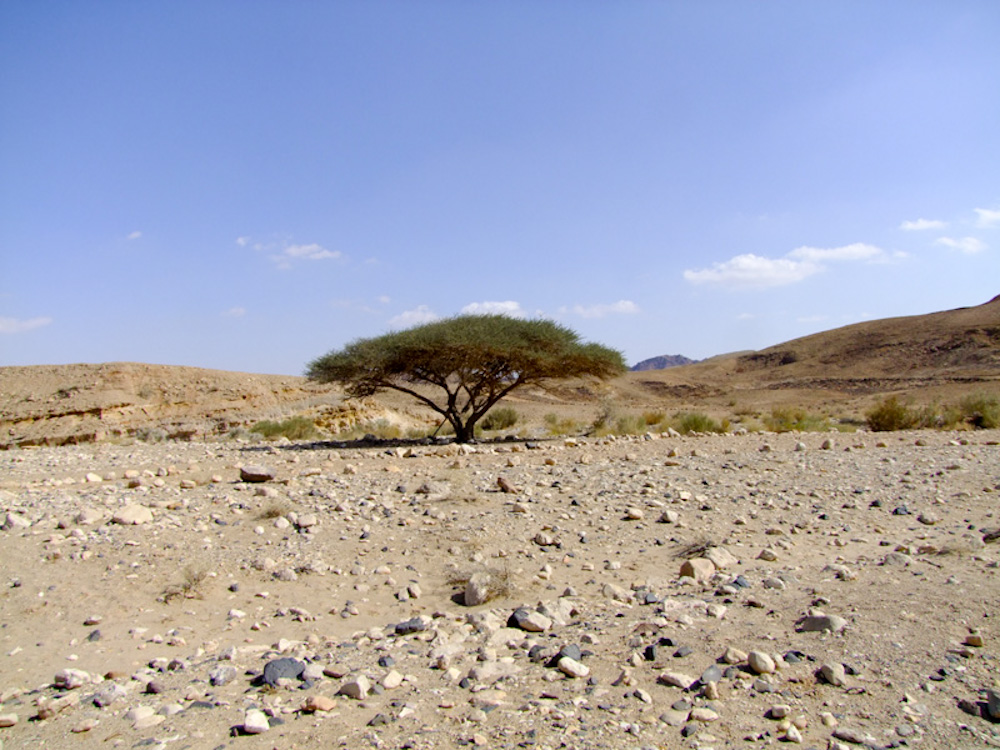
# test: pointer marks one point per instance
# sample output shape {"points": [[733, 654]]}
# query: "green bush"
{"points": [[688, 422], [980, 410], [500, 418], [652, 418], [293, 428], [793, 419], [890, 415], [560, 425]]}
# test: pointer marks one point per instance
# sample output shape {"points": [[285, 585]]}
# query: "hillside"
{"points": [[936, 357], [662, 362], [931, 357]]}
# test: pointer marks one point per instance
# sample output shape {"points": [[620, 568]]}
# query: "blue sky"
{"points": [[245, 185]]}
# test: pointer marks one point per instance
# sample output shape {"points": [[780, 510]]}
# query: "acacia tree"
{"points": [[475, 360]]}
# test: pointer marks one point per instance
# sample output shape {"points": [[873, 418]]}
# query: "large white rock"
{"points": [[133, 515]]}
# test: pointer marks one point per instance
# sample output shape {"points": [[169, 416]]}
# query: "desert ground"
{"points": [[820, 590]]}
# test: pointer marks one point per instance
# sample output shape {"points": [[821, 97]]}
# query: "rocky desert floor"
{"points": [[815, 591]]}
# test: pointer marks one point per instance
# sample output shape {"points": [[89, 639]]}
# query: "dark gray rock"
{"points": [[278, 669]]}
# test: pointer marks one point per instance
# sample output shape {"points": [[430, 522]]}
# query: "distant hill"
{"points": [[663, 362]]}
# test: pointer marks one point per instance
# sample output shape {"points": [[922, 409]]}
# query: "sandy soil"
{"points": [[354, 563]]}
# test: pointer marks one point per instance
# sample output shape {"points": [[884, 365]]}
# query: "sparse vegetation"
{"points": [[792, 419], [688, 422], [500, 418], [890, 415], [189, 588], [276, 509], [981, 411], [293, 428], [560, 425]]}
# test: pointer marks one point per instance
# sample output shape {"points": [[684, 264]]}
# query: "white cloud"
{"points": [[967, 245], [749, 271], [134, 235], [14, 325], [857, 251], [510, 308], [921, 224], [753, 271], [242, 241], [621, 307], [235, 312], [417, 316], [310, 252], [987, 217], [383, 299]]}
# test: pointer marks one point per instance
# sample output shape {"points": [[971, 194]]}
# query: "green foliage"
{"points": [[500, 418], [382, 429], [981, 410], [793, 419], [890, 415], [475, 359], [689, 422], [293, 428], [652, 418], [560, 425]]}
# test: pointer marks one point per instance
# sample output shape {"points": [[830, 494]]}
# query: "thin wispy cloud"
{"points": [[967, 245], [919, 225], [235, 312], [986, 217], [621, 307], [750, 271], [414, 317], [17, 325], [509, 307], [284, 254], [134, 235]]}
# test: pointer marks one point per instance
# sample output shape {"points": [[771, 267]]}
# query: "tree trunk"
{"points": [[464, 432]]}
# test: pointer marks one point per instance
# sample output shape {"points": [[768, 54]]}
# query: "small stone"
{"points": [[734, 656], [573, 668], [132, 515], [634, 514], [392, 680], [358, 688], [721, 557], [319, 703], [677, 679], [768, 555], [993, 703], [255, 721], [222, 676], [761, 663], [819, 623], [669, 516], [256, 474], [8, 720], [792, 734], [282, 669], [530, 621], [834, 673], [703, 715], [698, 568], [70, 679]]}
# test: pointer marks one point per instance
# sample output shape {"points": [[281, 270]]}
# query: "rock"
{"points": [[255, 473], [319, 703], [634, 514], [993, 704], [8, 720], [392, 680], [761, 663], [698, 568], [70, 679], [677, 679], [703, 715], [480, 588], [132, 515], [222, 676], [255, 721], [734, 656], [768, 554], [282, 669], [530, 621], [819, 623], [572, 667], [720, 557], [413, 625], [669, 516], [357, 688], [615, 592], [834, 673]]}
